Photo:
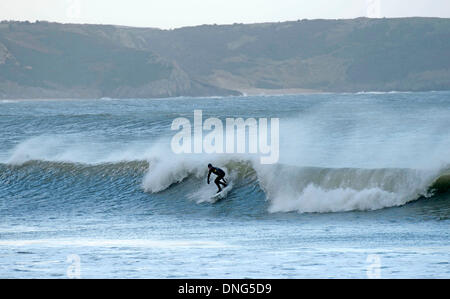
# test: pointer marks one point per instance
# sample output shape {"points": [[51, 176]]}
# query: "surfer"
{"points": [[220, 176]]}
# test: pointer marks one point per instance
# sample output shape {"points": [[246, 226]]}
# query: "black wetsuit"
{"points": [[220, 176]]}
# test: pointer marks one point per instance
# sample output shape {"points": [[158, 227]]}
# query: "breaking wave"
{"points": [[286, 188]]}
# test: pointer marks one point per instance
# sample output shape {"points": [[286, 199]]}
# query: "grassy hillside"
{"points": [[62, 60], [54, 60], [329, 55]]}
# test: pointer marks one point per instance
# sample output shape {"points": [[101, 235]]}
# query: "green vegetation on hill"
{"points": [[67, 60], [329, 55], [54, 60]]}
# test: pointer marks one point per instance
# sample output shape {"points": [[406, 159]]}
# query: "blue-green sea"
{"points": [[92, 189]]}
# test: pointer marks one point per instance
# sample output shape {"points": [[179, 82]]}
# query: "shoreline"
{"points": [[245, 93], [281, 91]]}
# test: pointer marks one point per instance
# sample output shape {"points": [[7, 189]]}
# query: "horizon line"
{"points": [[215, 24]]}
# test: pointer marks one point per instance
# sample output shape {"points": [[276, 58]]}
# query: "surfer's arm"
{"points": [[209, 174]]}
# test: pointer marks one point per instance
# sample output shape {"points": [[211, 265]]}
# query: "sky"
{"points": [[168, 14]]}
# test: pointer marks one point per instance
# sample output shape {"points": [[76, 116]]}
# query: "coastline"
{"points": [[282, 91], [244, 93]]}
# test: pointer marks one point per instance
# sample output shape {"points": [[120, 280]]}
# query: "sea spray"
{"points": [[221, 139]]}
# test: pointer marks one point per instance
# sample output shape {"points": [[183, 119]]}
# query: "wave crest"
{"points": [[287, 188]]}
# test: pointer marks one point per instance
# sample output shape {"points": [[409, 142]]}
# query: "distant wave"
{"points": [[76, 169], [383, 92]]}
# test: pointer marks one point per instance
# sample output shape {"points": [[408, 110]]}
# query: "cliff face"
{"points": [[45, 60], [50, 60]]}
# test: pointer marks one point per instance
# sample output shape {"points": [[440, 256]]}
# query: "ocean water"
{"points": [[91, 189]]}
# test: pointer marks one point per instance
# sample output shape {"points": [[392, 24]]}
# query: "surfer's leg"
{"points": [[224, 183], [217, 181]]}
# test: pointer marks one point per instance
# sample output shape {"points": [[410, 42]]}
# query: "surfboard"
{"points": [[222, 194]]}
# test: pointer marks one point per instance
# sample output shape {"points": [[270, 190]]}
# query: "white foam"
{"points": [[316, 199], [77, 149], [83, 242], [203, 194]]}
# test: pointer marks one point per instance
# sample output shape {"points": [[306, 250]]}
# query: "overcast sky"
{"points": [[179, 13]]}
